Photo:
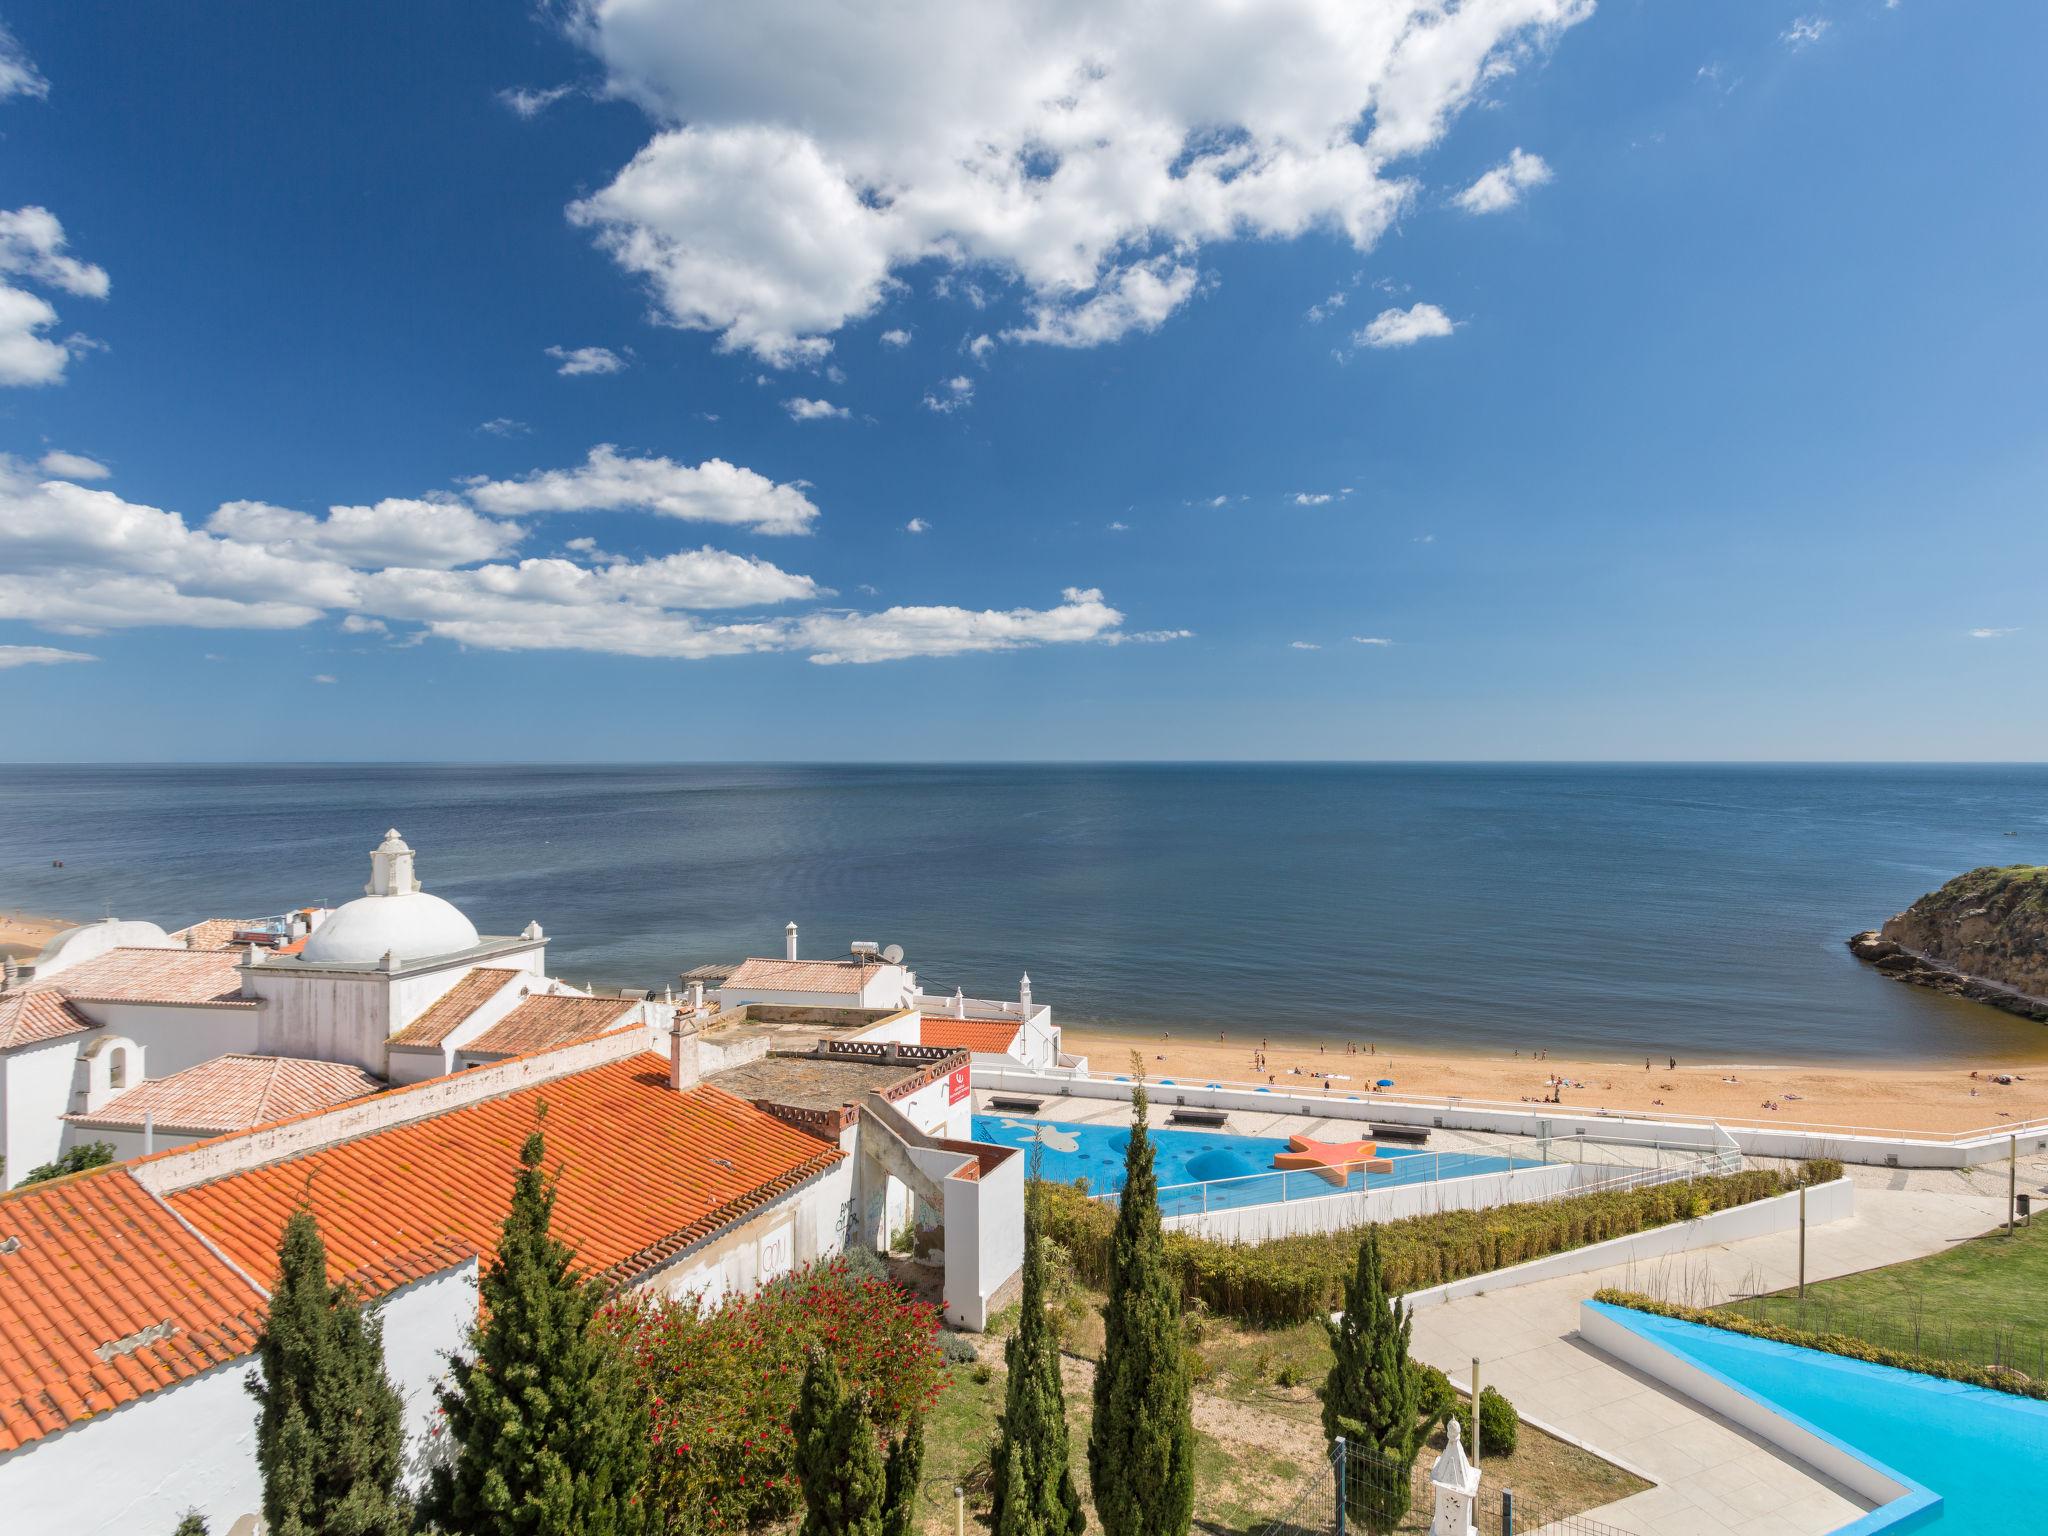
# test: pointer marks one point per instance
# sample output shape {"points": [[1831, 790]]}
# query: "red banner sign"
{"points": [[957, 1085]]}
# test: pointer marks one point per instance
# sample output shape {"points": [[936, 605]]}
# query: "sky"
{"points": [[1326, 379]]}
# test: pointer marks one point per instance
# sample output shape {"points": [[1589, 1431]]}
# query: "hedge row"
{"points": [[2000, 1380], [1293, 1279]]}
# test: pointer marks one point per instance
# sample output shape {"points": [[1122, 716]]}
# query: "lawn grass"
{"points": [[1980, 1302]]}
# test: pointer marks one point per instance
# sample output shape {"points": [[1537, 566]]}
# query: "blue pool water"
{"points": [[1981, 1452], [1209, 1170]]}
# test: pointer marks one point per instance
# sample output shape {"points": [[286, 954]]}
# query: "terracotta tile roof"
{"points": [[540, 1023], [989, 1035], [232, 1093], [445, 1014], [36, 1014], [645, 1173], [215, 932], [109, 1296], [804, 975], [207, 976]]}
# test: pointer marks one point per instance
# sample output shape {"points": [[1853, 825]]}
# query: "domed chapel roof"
{"points": [[393, 916]]}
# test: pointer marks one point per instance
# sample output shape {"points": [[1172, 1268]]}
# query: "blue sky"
{"points": [[1684, 400]]}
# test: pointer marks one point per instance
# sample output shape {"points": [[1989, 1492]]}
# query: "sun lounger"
{"points": [[1418, 1134], [1215, 1119], [1016, 1106]]}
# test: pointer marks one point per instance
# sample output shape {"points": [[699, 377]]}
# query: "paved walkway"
{"points": [[1712, 1478]]}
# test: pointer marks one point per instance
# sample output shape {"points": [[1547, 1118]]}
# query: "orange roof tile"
{"points": [[804, 975], [38, 1014], [968, 1034], [215, 932], [540, 1023], [108, 1296], [645, 1173], [193, 976], [445, 1014], [232, 1093]]}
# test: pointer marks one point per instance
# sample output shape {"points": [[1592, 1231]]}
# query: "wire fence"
{"points": [[1918, 1325]]}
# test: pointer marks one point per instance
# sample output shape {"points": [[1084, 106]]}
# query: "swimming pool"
{"points": [[1212, 1170], [1977, 1451]]}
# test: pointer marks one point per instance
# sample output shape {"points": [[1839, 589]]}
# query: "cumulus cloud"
{"points": [[396, 531], [950, 395], [1311, 498], [504, 426], [18, 73], [801, 409], [39, 656], [72, 466], [1404, 327], [1076, 157], [917, 525], [1805, 31], [898, 337], [712, 492], [529, 104], [80, 560], [584, 362], [1503, 186], [33, 248]]}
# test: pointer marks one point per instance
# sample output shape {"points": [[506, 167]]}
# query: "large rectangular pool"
{"points": [[1212, 1170]]}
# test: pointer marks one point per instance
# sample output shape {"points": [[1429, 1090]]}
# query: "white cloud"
{"points": [[1304, 645], [38, 655], [1312, 498], [1146, 636], [896, 338], [1318, 313], [917, 525], [980, 347], [530, 104], [18, 73], [356, 624], [1503, 186], [1805, 31], [950, 395], [1119, 527], [1404, 327], [396, 531], [585, 362], [1994, 634], [1370, 640], [504, 426], [1078, 157], [72, 466], [895, 633], [33, 248], [712, 492], [325, 677], [801, 409]]}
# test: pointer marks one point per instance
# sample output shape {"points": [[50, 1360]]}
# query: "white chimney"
{"points": [[789, 942], [696, 999], [682, 1057], [1024, 993]]}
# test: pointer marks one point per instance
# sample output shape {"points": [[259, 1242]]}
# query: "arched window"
{"points": [[117, 1068]]}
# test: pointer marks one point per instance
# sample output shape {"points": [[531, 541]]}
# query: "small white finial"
{"points": [[789, 942], [391, 872]]}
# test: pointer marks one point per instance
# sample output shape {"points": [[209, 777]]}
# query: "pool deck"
{"points": [[1713, 1479]]}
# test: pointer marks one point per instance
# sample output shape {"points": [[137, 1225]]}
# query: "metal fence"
{"points": [[1382, 1497], [1918, 1325]]}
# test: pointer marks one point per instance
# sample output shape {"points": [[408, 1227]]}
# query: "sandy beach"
{"points": [[23, 934], [1844, 1094]]}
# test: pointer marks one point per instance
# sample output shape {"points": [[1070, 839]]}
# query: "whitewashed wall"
{"points": [[801, 1228], [984, 1239], [35, 1089], [177, 1037]]}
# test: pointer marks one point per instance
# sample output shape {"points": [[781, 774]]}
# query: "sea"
{"points": [[1614, 911]]}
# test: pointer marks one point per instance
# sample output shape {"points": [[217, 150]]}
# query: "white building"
{"points": [[866, 977]]}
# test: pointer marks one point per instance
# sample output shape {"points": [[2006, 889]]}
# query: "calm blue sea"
{"points": [[1692, 911]]}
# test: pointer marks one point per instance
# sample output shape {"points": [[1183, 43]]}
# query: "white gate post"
{"points": [[1456, 1482]]}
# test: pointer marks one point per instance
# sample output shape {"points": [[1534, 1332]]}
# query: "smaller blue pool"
{"points": [[1208, 1170]]}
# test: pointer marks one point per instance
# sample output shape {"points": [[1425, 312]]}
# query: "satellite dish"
{"points": [[893, 954]]}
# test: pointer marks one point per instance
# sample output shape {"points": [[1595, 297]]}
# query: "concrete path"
{"points": [[1712, 1478]]}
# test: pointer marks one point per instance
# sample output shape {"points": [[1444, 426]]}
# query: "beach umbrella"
{"points": [[1386, 1082]]}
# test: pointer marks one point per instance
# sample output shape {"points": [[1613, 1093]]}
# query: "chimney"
{"points": [[1024, 994], [682, 1057], [696, 999], [789, 942], [10, 974]]}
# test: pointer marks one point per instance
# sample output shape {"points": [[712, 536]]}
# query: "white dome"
{"points": [[410, 926]]}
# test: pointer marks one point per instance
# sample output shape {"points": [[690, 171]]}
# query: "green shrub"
{"points": [[955, 1350], [1499, 1424], [1819, 1170], [87, 1154], [1294, 1279], [1435, 1396], [1831, 1344]]}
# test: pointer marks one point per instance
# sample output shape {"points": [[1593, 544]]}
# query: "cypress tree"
{"points": [[1031, 1476], [838, 1460], [194, 1524], [1373, 1396], [547, 1427], [1141, 1450], [330, 1429], [900, 1479]]}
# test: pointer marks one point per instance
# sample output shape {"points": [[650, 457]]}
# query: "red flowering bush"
{"points": [[721, 1386]]}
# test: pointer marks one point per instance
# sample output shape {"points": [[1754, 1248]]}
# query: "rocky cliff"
{"points": [[1984, 935]]}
